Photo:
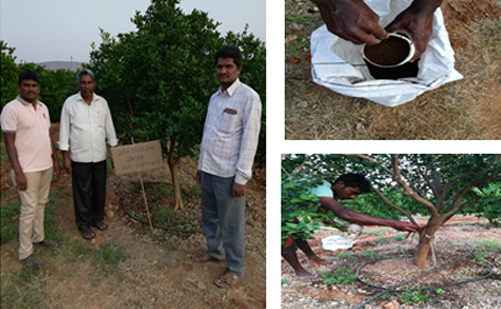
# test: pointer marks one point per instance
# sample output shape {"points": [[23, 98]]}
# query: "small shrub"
{"points": [[410, 297], [340, 276]]}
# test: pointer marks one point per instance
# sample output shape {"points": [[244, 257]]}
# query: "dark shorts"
{"points": [[292, 244]]}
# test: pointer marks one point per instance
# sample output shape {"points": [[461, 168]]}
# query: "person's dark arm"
{"points": [[351, 20], [54, 157], [328, 203], [416, 22], [66, 161], [21, 181]]}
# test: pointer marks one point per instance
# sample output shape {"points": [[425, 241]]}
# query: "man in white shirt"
{"points": [[85, 126], [230, 140], [26, 127]]}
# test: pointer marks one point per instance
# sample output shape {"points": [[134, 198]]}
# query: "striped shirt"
{"points": [[231, 133]]}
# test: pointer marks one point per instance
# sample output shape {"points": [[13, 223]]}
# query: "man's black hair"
{"points": [[354, 181], [230, 51], [27, 74]]}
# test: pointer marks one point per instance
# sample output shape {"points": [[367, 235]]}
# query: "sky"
{"points": [[62, 30]]}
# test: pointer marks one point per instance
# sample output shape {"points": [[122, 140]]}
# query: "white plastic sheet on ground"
{"points": [[338, 64], [335, 242]]}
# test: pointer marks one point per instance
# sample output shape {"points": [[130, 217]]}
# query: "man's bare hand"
{"points": [[57, 170], [21, 181], [238, 190], [352, 20], [416, 22], [67, 164], [199, 177], [406, 226]]}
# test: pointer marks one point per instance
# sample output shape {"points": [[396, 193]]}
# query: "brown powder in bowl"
{"points": [[389, 52]]}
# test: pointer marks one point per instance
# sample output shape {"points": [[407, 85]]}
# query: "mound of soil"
{"points": [[391, 51]]}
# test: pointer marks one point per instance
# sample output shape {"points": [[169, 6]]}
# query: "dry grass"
{"points": [[453, 112], [128, 267]]}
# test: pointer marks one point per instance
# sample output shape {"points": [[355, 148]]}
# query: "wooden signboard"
{"points": [[137, 157]]}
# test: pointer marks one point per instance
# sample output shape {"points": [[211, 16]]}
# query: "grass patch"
{"points": [[382, 240], [110, 256], [411, 297], [4, 158], [10, 225], [162, 190], [399, 237], [24, 290], [193, 192], [489, 244]]}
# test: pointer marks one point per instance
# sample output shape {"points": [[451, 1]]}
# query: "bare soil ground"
{"points": [[462, 110], [451, 242], [141, 269]]}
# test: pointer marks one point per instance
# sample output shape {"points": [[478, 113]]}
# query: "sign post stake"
{"points": [[144, 195]]}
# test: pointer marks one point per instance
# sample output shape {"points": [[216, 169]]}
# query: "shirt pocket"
{"points": [[100, 118], [228, 123]]}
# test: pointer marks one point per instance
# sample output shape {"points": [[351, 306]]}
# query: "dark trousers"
{"points": [[89, 192], [223, 219]]}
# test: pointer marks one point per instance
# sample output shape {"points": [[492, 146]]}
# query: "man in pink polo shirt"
{"points": [[26, 126]]}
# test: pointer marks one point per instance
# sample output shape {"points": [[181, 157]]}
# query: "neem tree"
{"points": [[441, 185], [158, 80]]}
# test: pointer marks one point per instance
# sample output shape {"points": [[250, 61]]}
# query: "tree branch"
{"points": [[408, 191], [427, 179], [446, 190], [413, 186], [387, 202], [370, 159], [397, 177], [472, 184]]}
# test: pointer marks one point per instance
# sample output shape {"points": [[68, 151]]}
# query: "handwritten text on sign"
{"points": [[137, 157]]}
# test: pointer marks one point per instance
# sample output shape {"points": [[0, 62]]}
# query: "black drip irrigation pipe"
{"points": [[392, 289], [136, 187]]}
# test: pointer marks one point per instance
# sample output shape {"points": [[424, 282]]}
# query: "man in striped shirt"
{"points": [[229, 144]]}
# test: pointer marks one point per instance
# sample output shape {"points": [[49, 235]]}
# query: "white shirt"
{"points": [[84, 129], [231, 133]]}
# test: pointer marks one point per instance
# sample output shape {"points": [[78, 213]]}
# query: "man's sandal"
{"points": [[227, 280], [87, 234], [203, 257], [100, 225]]}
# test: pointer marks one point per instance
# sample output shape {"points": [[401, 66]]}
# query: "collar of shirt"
{"points": [[80, 98], [231, 90], [24, 102]]}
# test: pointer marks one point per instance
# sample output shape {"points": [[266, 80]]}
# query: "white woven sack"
{"points": [[338, 64]]}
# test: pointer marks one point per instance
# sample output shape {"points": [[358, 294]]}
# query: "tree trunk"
{"points": [[175, 183], [421, 256]]}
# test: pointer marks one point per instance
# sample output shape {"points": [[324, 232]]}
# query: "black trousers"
{"points": [[89, 192]]}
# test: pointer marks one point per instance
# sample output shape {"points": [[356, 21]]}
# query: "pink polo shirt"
{"points": [[32, 133]]}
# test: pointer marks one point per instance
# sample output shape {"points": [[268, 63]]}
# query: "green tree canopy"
{"points": [[158, 79], [55, 85], [438, 185], [9, 74]]}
